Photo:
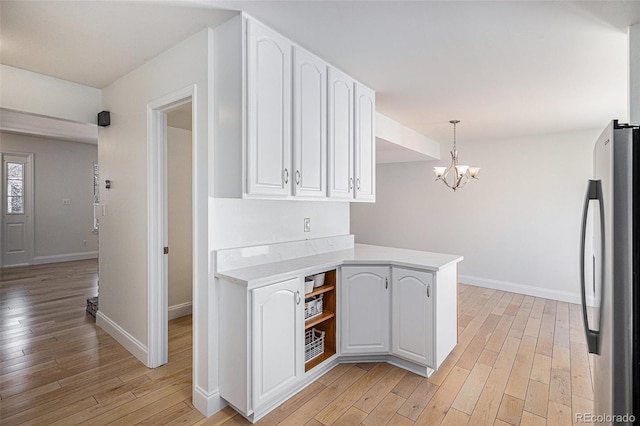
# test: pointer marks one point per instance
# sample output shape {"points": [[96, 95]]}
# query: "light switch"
{"points": [[307, 224]]}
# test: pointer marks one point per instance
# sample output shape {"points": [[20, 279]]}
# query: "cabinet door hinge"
{"points": [[166, 250]]}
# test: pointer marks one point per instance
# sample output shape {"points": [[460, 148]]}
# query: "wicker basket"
{"points": [[313, 344], [313, 307]]}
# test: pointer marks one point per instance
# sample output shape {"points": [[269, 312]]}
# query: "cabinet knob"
{"points": [[286, 176], [298, 177]]}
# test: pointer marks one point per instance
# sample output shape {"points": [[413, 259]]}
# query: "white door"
{"points": [[278, 336], [412, 321], [340, 136], [17, 209], [365, 143], [269, 112], [309, 125], [364, 306]]}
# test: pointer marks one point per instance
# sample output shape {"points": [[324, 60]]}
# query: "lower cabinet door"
{"points": [[364, 308], [412, 316], [278, 338]]}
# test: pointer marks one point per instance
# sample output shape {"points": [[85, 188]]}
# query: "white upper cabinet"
{"points": [[309, 125], [364, 309], [412, 319], [268, 111], [340, 138], [365, 143], [286, 124]]}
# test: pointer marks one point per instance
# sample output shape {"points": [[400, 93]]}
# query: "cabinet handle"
{"points": [[286, 176], [428, 291], [386, 283], [298, 296], [298, 177], [358, 184], [350, 183]]}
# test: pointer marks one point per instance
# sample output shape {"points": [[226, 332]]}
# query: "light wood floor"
{"points": [[519, 360]]}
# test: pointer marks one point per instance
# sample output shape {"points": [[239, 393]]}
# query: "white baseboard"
{"points": [[547, 293], [129, 342], [68, 257], [207, 403], [181, 310]]}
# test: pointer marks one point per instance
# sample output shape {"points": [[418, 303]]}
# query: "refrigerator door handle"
{"points": [[594, 192]]}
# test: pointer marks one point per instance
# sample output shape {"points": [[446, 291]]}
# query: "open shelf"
{"points": [[312, 363], [327, 320], [325, 315], [319, 290]]}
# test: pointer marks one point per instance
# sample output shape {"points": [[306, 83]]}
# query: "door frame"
{"points": [[29, 203], [158, 288]]}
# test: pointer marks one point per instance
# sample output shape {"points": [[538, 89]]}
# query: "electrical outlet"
{"points": [[66, 201], [307, 224]]}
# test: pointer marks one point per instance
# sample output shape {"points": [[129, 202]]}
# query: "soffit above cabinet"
{"points": [[396, 143]]}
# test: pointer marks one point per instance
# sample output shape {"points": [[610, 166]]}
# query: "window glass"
{"points": [[15, 188]]}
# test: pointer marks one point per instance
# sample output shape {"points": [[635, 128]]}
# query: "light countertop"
{"points": [[361, 254]]}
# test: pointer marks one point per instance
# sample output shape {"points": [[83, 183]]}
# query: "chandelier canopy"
{"points": [[462, 173]]}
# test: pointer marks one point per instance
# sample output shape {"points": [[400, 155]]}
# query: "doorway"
{"points": [[17, 210], [171, 228]]}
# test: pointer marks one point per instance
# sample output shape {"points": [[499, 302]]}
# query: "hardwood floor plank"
{"points": [[537, 398], [468, 396], [510, 410], [384, 411], [417, 402], [442, 399], [455, 418]]}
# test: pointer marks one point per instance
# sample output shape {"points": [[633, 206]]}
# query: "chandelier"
{"points": [[462, 173]]}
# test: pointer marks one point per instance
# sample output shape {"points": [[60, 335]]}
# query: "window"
{"points": [[15, 188]]}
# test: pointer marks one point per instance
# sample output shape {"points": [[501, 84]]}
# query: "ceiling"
{"points": [[505, 68]]}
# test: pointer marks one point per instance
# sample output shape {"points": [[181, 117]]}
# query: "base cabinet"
{"points": [[262, 354], [412, 321], [278, 336], [365, 299]]}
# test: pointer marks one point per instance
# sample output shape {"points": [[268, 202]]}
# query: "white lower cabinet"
{"points": [[262, 343], [364, 309], [278, 337], [412, 320]]}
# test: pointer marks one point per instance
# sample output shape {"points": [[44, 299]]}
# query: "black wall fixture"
{"points": [[104, 118]]}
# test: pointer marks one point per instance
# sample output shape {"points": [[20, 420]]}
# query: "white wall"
{"points": [[40, 94], [242, 223], [180, 223], [124, 231], [61, 170], [518, 227]]}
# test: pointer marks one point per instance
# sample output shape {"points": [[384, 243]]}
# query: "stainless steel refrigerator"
{"points": [[609, 274]]}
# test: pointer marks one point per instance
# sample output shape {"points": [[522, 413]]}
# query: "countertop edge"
{"points": [[327, 265]]}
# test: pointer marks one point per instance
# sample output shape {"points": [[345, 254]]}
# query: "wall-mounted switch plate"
{"points": [[307, 224]]}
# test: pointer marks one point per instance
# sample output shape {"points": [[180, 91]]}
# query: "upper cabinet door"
{"points": [[340, 137], [309, 125], [365, 144], [268, 150]]}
